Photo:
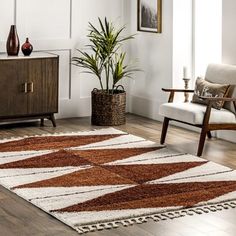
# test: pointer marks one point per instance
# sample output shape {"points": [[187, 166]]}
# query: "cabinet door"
{"points": [[13, 99], [43, 83]]}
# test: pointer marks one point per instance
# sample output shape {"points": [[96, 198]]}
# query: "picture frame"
{"points": [[150, 16]]}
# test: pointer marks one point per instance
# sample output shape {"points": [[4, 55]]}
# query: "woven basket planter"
{"points": [[108, 109]]}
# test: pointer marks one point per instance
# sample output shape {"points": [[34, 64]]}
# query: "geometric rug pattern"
{"points": [[100, 179]]}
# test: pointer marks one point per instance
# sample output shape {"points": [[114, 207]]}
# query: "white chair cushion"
{"points": [[194, 113]]}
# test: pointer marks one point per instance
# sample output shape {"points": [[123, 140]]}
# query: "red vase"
{"points": [[13, 43], [27, 48]]}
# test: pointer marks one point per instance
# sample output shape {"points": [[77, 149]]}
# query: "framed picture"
{"points": [[149, 15]]}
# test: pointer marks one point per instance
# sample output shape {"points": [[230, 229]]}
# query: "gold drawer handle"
{"points": [[30, 88], [24, 88]]}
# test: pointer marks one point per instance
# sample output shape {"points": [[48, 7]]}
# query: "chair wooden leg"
{"points": [[164, 130], [209, 134], [201, 142], [205, 131]]}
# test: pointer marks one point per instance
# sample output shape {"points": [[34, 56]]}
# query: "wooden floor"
{"points": [[20, 218]]}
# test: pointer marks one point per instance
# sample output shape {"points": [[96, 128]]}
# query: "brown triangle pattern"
{"points": [[144, 173], [53, 142], [88, 177], [102, 156], [156, 195], [64, 158], [107, 175], [61, 158]]}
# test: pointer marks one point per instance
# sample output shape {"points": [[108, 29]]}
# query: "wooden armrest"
{"points": [[173, 91], [218, 99], [178, 90]]}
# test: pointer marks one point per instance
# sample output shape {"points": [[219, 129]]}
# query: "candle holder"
{"points": [[186, 86]]}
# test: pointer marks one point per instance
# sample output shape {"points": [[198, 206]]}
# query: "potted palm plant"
{"points": [[104, 59]]}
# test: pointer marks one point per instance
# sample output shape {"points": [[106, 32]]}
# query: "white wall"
{"points": [[228, 32], [154, 52], [161, 56], [207, 34], [60, 27], [228, 46], [182, 41]]}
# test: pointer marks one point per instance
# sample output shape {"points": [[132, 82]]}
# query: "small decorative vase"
{"points": [[13, 43], [27, 47]]}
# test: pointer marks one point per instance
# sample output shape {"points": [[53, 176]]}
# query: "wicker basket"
{"points": [[108, 109]]}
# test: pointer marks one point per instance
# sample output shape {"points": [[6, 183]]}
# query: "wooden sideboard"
{"points": [[29, 87]]}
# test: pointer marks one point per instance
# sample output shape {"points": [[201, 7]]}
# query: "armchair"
{"points": [[204, 116]]}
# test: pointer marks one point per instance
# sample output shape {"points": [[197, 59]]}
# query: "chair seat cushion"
{"points": [[193, 113]]}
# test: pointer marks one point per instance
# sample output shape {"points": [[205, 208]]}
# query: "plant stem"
{"points": [[112, 71], [113, 87], [107, 77], [100, 81]]}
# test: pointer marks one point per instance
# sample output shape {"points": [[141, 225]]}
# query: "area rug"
{"points": [[106, 178]]}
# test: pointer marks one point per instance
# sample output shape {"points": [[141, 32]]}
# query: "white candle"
{"points": [[185, 72]]}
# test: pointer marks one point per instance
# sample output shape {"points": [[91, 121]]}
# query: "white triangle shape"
{"points": [[13, 177], [161, 156], [124, 141], [208, 171], [7, 157], [56, 198]]}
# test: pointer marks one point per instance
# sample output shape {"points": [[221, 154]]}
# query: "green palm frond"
{"points": [[89, 62], [120, 70], [105, 45]]}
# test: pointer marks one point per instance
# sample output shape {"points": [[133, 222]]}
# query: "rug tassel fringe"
{"points": [[157, 217]]}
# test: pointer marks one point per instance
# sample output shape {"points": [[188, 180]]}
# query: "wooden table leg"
{"points": [[52, 118], [42, 122]]}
